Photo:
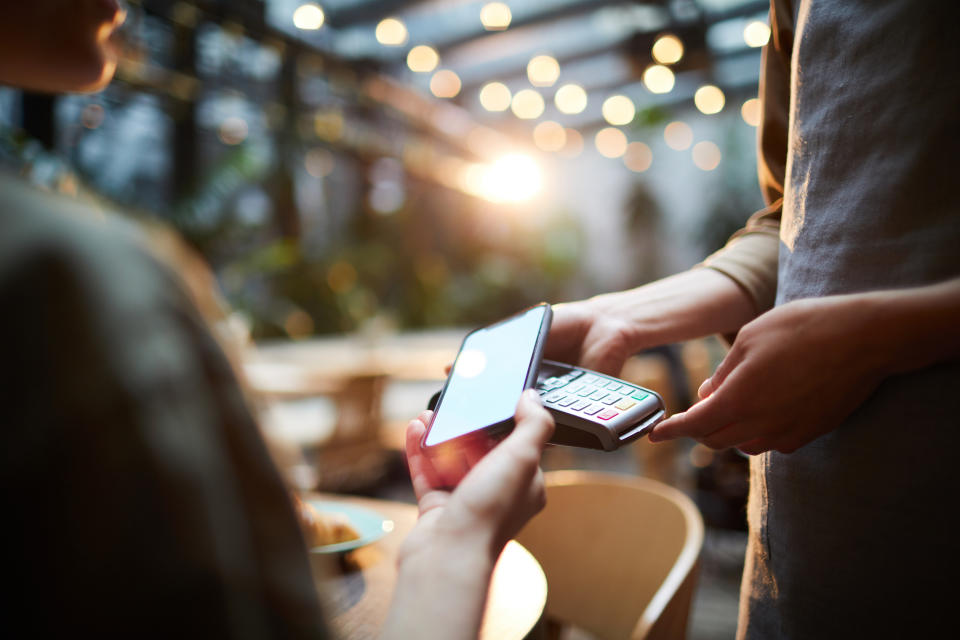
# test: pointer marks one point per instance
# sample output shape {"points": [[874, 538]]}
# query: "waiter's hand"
{"points": [[792, 375]]}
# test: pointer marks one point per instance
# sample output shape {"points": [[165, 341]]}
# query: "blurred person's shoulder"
{"points": [[57, 241], [85, 300]]}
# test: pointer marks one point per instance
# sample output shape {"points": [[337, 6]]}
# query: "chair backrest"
{"points": [[620, 554]]}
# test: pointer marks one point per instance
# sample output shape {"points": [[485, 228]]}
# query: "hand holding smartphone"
{"points": [[494, 366]]}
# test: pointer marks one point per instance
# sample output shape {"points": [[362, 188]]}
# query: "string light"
{"points": [[638, 157], [527, 104], [570, 99], [658, 79], [678, 136], [423, 58], [445, 84], [495, 96], [668, 49], [706, 155], [391, 32], [756, 33], [750, 112], [550, 136], [709, 99], [611, 142], [308, 17], [618, 110], [543, 71], [495, 16]]}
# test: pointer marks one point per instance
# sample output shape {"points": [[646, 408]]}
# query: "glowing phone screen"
{"points": [[487, 377]]}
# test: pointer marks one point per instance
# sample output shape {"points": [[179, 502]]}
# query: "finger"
{"points": [[567, 331], [534, 424], [705, 389], [700, 420], [451, 465], [736, 434], [422, 474], [726, 366]]}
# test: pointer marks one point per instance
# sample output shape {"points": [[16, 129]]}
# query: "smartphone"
{"points": [[494, 366]]}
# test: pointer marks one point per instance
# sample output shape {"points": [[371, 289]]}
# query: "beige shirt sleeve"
{"points": [[750, 256]]}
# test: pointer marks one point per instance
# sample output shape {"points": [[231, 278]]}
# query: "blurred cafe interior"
{"points": [[350, 185]]}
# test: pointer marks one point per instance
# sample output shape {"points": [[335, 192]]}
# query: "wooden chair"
{"points": [[621, 554]]}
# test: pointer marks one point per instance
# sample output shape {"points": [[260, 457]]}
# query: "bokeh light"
{"points": [[574, 145], [543, 71], [513, 178], [423, 58], [678, 135], [92, 116], [668, 49], [658, 79], [618, 110], [638, 157], [706, 155], [527, 104], [550, 136], [445, 84], [233, 130], [709, 99], [495, 96], [495, 16], [570, 99], [318, 162], [391, 32], [611, 142], [750, 112], [308, 17], [756, 33]]}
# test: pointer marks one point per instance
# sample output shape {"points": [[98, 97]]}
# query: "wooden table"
{"points": [[357, 588]]}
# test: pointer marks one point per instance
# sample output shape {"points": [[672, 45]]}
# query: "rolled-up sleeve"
{"points": [[750, 256]]}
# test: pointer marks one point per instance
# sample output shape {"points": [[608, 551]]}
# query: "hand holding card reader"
{"points": [[496, 363]]}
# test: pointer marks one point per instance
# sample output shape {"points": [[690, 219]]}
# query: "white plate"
{"points": [[369, 524]]}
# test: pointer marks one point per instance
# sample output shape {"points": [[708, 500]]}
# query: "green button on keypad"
{"points": [[639, 395]]}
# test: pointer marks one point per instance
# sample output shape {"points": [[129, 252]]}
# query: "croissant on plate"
{"points": [[322, 528]]}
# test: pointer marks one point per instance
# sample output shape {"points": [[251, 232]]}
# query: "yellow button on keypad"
{"points": [[625, 404]]}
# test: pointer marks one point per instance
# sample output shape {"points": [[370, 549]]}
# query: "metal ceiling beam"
{"points": [[371, 11]]}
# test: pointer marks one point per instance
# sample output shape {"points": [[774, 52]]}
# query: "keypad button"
{"points": [[606, 414], [611, 399], [589, 379], [554, 398], [639, 395], [613, 386], [593, 409], [625, 404], [566, 402], [598, 395], [573, 388], [586, 391], [580, 404]]}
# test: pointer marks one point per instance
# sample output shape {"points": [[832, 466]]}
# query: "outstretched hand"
{"points": [[792, 375], [583, 333]]}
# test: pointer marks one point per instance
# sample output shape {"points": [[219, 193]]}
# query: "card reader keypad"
{"points": [[590, 395]]}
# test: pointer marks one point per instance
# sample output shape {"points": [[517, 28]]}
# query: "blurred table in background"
{"points": [[357, 587]]}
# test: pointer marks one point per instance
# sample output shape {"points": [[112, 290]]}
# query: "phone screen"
{"points": [[488, 376]]}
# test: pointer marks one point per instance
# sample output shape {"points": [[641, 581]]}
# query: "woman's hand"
{"points": [[447, 560], [498, 487]]}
